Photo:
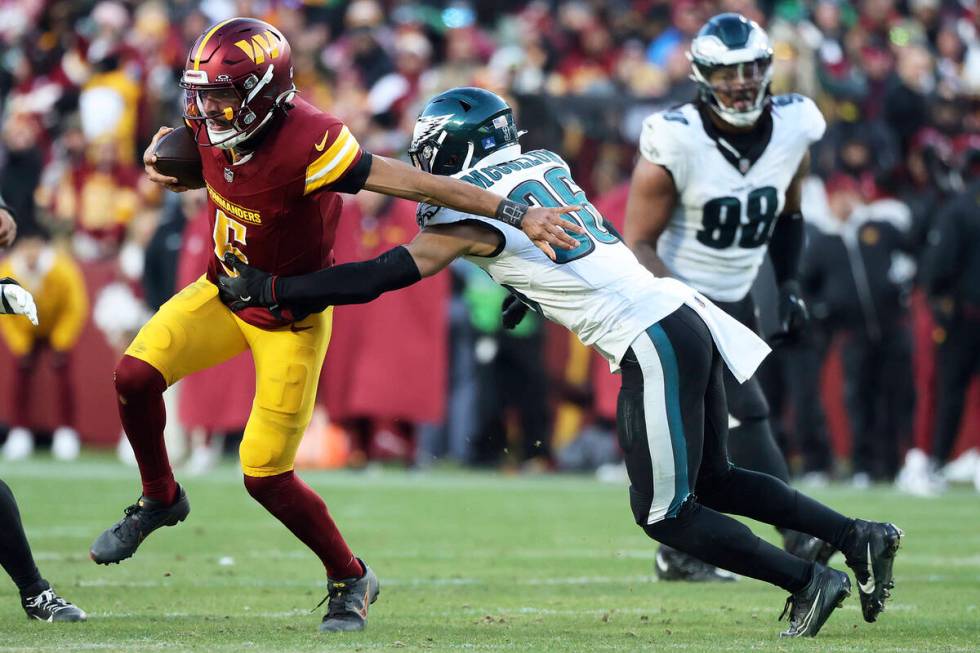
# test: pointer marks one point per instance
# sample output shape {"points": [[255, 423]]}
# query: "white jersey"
{"points": [[599, 291], [718, 240]]}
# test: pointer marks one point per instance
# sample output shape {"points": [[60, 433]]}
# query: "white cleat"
{"points": [[964, 468], [614, 473], [917, 476], [204, 457], [65, 444], [19, 444], [124, 451]]}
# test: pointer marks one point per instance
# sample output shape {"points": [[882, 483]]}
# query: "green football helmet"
{"points": [[731, 61], [458, 128]]}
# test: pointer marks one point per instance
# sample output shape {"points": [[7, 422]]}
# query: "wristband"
{"points": [[510, 212]]}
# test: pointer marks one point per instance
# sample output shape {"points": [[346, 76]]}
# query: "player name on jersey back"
{"points": [[597, 290]]}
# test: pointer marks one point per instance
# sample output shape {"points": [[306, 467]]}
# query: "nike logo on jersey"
{"points": [[296, 329], [319, 146], [869, 586]]}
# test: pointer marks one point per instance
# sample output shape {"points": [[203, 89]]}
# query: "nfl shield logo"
{"points": [[229, 175], [743, 166]]}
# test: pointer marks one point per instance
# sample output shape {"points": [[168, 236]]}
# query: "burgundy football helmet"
{"points": [[237, 74]]}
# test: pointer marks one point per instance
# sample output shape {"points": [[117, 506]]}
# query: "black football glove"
{"points": [[513, 310], [793, 314], [252, 287]]}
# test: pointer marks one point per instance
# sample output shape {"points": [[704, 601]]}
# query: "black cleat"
{"points": [[48, 606], [121, 540], [349, 600], [871, 557], [811, 549], [672, 564], [810, 608]]}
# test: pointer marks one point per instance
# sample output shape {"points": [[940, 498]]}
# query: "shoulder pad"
{"points": [[331, 150], [662, 140], [802, 112]]}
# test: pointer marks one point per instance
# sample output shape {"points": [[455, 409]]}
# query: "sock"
{"points": [[304, 513], [724, 542], [23, 377], [15, 552], [770, 500], [62, 364], [751, 445], [140, 387]]}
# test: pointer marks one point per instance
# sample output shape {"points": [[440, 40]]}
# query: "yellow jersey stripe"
{"points": [[335, 169], [324, 159], [204, 41]]}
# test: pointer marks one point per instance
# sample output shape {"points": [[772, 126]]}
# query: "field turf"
{"points": [[467, 561]]}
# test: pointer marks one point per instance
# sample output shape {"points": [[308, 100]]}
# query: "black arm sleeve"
{"points": [[350, 283], [355, 178], [786, 246]]}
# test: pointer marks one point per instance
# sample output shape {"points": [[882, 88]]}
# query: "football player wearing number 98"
{"points": [[669, 341], [274, 166], [732, 161]]}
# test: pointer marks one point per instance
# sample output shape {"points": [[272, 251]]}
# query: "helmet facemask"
{"points": [[731, 61], [736, 92], [427, 144], [220, 113]]}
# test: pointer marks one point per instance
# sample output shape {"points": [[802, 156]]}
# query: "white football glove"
{"points": [[14, 299]]}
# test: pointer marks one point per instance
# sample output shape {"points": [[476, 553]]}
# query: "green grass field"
{"points": [[467, 561]]}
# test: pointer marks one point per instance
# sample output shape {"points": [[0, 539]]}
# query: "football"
{"points": [[177, 156]]}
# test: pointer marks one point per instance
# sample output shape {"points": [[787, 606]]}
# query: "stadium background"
{"points": [[85, 85]]}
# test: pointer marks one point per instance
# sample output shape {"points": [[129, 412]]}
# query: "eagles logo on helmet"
{"points": [[458, 128], [238, 73], [731, 61]]}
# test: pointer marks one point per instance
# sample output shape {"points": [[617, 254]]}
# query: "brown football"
{"points": [[177, 156]]}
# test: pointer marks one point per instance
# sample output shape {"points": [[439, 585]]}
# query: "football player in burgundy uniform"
{"points": [[274, 166]]}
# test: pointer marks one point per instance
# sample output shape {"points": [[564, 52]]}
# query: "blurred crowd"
{"points": [[891, 268]]}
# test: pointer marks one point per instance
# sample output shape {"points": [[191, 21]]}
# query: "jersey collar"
{"points": [[502, 155], [744, 149]]}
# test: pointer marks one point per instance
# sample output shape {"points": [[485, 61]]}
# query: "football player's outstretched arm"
{"points": [[357, 283], [544, 226], [649, 208]]}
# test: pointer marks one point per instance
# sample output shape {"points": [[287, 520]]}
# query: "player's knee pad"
{"points": [[270, 442], [135, 379]]}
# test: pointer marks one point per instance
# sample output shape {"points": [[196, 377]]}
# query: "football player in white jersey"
{"points": [[669, 341], [717, 184]]}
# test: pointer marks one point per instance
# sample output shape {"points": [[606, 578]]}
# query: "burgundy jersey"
{"points": [[274, 208]]}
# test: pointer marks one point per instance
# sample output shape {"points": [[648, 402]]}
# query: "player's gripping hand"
{"points": [[252, 286], [16, 300], [149, 159], [546, 228], [513, 311], [793, 314]]}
